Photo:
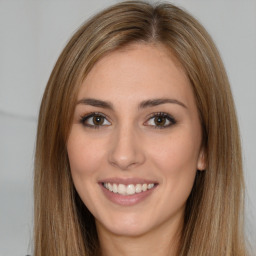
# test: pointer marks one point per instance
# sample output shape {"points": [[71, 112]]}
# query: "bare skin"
{"points": [[136, 123], [141, 245]]}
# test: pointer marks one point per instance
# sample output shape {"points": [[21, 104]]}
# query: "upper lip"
{"points": [[127, 181]]}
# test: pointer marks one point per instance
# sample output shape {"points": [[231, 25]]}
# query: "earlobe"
{"points": [[201, 163]]}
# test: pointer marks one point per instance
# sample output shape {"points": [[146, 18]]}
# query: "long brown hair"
{"points": [[213, 222]]}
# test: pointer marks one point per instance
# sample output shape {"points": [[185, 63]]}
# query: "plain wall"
{"points": [[32, 35]]}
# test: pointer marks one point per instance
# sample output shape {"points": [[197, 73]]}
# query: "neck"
{"points": [[161, 242]]}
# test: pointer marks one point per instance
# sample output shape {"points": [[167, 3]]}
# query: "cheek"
{"points": [[176, 158], [84, 158], [84, 154], [176, 152]]}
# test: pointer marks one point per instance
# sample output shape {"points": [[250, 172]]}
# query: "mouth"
{"points": [[129, 189]]}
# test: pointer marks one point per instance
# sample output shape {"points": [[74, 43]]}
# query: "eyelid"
{"points": [[85, 117], [169, 117]]}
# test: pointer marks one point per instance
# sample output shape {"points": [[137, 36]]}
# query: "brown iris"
{"points": [[160, 121], [98, 120]]}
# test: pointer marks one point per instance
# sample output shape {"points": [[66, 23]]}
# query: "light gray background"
{"points": [[32, 34]]}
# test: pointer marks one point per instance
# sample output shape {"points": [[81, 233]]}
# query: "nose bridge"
{"points": [[126, 149]]}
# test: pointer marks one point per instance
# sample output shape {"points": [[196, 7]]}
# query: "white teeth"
{"points": [[110, 187], [150, 186], [138, 188], [121, 189], [129, 189], [114, 188], [144, 187]]}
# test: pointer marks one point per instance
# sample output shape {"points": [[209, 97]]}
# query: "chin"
{"points": [[125, 226]]}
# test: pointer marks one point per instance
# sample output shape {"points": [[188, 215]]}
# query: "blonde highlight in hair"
{"points": [[214, 212]]}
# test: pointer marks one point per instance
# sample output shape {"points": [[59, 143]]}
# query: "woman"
{"points": [[138, 147]]}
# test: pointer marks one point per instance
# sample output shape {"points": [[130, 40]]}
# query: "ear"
{"points": [[201, 162]]}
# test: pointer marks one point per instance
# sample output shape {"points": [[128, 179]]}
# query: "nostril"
{"points": [[123, 165], [125, 151]]}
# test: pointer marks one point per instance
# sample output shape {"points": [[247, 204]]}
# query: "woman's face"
{"points": [[135, 141]]}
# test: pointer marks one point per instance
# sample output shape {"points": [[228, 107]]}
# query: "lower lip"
{"points": [[127, 200]]}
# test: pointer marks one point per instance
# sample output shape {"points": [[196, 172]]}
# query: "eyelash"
{"points": [[85, 118], [171, 119], [167, 117]]}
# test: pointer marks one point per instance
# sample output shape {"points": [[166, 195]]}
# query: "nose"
{"points": [[126, 149]]}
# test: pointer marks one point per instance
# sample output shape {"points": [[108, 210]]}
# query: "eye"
{"points": [[160, 120], [94, 120]]}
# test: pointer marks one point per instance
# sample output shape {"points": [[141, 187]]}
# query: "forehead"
{"points": [[136, 71]]}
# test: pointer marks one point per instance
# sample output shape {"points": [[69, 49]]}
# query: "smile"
{"points": [[129, 189]]}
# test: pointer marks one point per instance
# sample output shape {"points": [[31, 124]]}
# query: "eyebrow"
{"points": [[96, 103], [142, 105], [156, 102]]}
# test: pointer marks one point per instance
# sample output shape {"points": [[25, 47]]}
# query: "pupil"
{"points": [[160, 120], [97, 120]]}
